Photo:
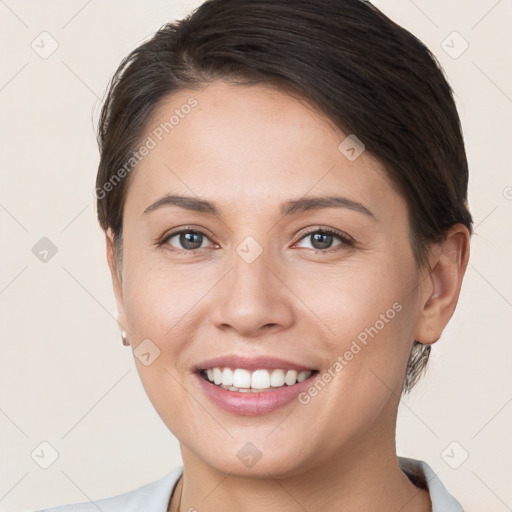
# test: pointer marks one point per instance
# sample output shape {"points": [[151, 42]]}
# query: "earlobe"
{"points": [[442, 289]]}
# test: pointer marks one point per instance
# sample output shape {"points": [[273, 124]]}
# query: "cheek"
{"points": [[150, 306], [158, 305], [158, 296], [167, 307], [354, 297], [367, 313]]}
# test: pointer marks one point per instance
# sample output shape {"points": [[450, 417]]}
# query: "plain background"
{"points": [[65, 377]]}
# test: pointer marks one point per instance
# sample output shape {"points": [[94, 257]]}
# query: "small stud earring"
{"points": [[125, 341]]}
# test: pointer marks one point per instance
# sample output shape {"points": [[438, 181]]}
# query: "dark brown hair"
{"points": [[371, 77]]}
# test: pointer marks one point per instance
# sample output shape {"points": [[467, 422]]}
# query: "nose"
{"points": [[253, 298]]}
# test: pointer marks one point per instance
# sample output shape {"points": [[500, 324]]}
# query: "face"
{"points": [[268, 281]]}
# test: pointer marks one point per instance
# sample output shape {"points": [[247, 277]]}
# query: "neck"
{"points": [[364, 477]]}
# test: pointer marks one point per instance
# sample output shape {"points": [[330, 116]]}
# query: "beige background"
{"points": [[66, 379]]}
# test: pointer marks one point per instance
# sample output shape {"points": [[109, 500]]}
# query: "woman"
{"points": [[283, 186]]}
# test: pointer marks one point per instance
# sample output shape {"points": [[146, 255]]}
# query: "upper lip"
{"points": [[250, 363]]}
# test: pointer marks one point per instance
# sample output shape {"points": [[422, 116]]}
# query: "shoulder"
{"points": [[422, 475], [151, 497]]}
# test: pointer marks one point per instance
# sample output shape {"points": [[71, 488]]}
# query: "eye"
{"points": [[189, 239], [322, 239]]}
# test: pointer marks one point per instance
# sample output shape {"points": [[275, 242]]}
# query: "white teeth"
{"points": [[217, 375], [277, 378], [291, 377], [302, 376], [260, 379], [227, 377], [243, 380]]}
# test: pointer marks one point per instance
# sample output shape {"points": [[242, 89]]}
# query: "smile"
{"points": [[256, 381]]}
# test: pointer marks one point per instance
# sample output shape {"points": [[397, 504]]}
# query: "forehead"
{"points": [[248, 144]]}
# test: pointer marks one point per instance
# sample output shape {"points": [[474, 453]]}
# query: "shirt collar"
{"points": [[424, 477]]}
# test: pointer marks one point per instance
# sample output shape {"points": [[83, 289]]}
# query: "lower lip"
{"points": [[251, 403]]}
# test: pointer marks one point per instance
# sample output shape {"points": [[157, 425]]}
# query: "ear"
{"points": [[440, 291], [116, 274]]}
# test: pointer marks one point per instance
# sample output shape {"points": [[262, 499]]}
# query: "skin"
{"points": [[248, 149]]}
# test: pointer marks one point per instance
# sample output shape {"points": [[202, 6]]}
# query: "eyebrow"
{"points": [[290, 207]]}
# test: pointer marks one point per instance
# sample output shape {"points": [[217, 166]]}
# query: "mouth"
{"points": [[252, 386], [261, 380]]}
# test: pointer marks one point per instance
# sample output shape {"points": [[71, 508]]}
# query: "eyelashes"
{"points": [[182, 232], [345, 239], [199, 236]]}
